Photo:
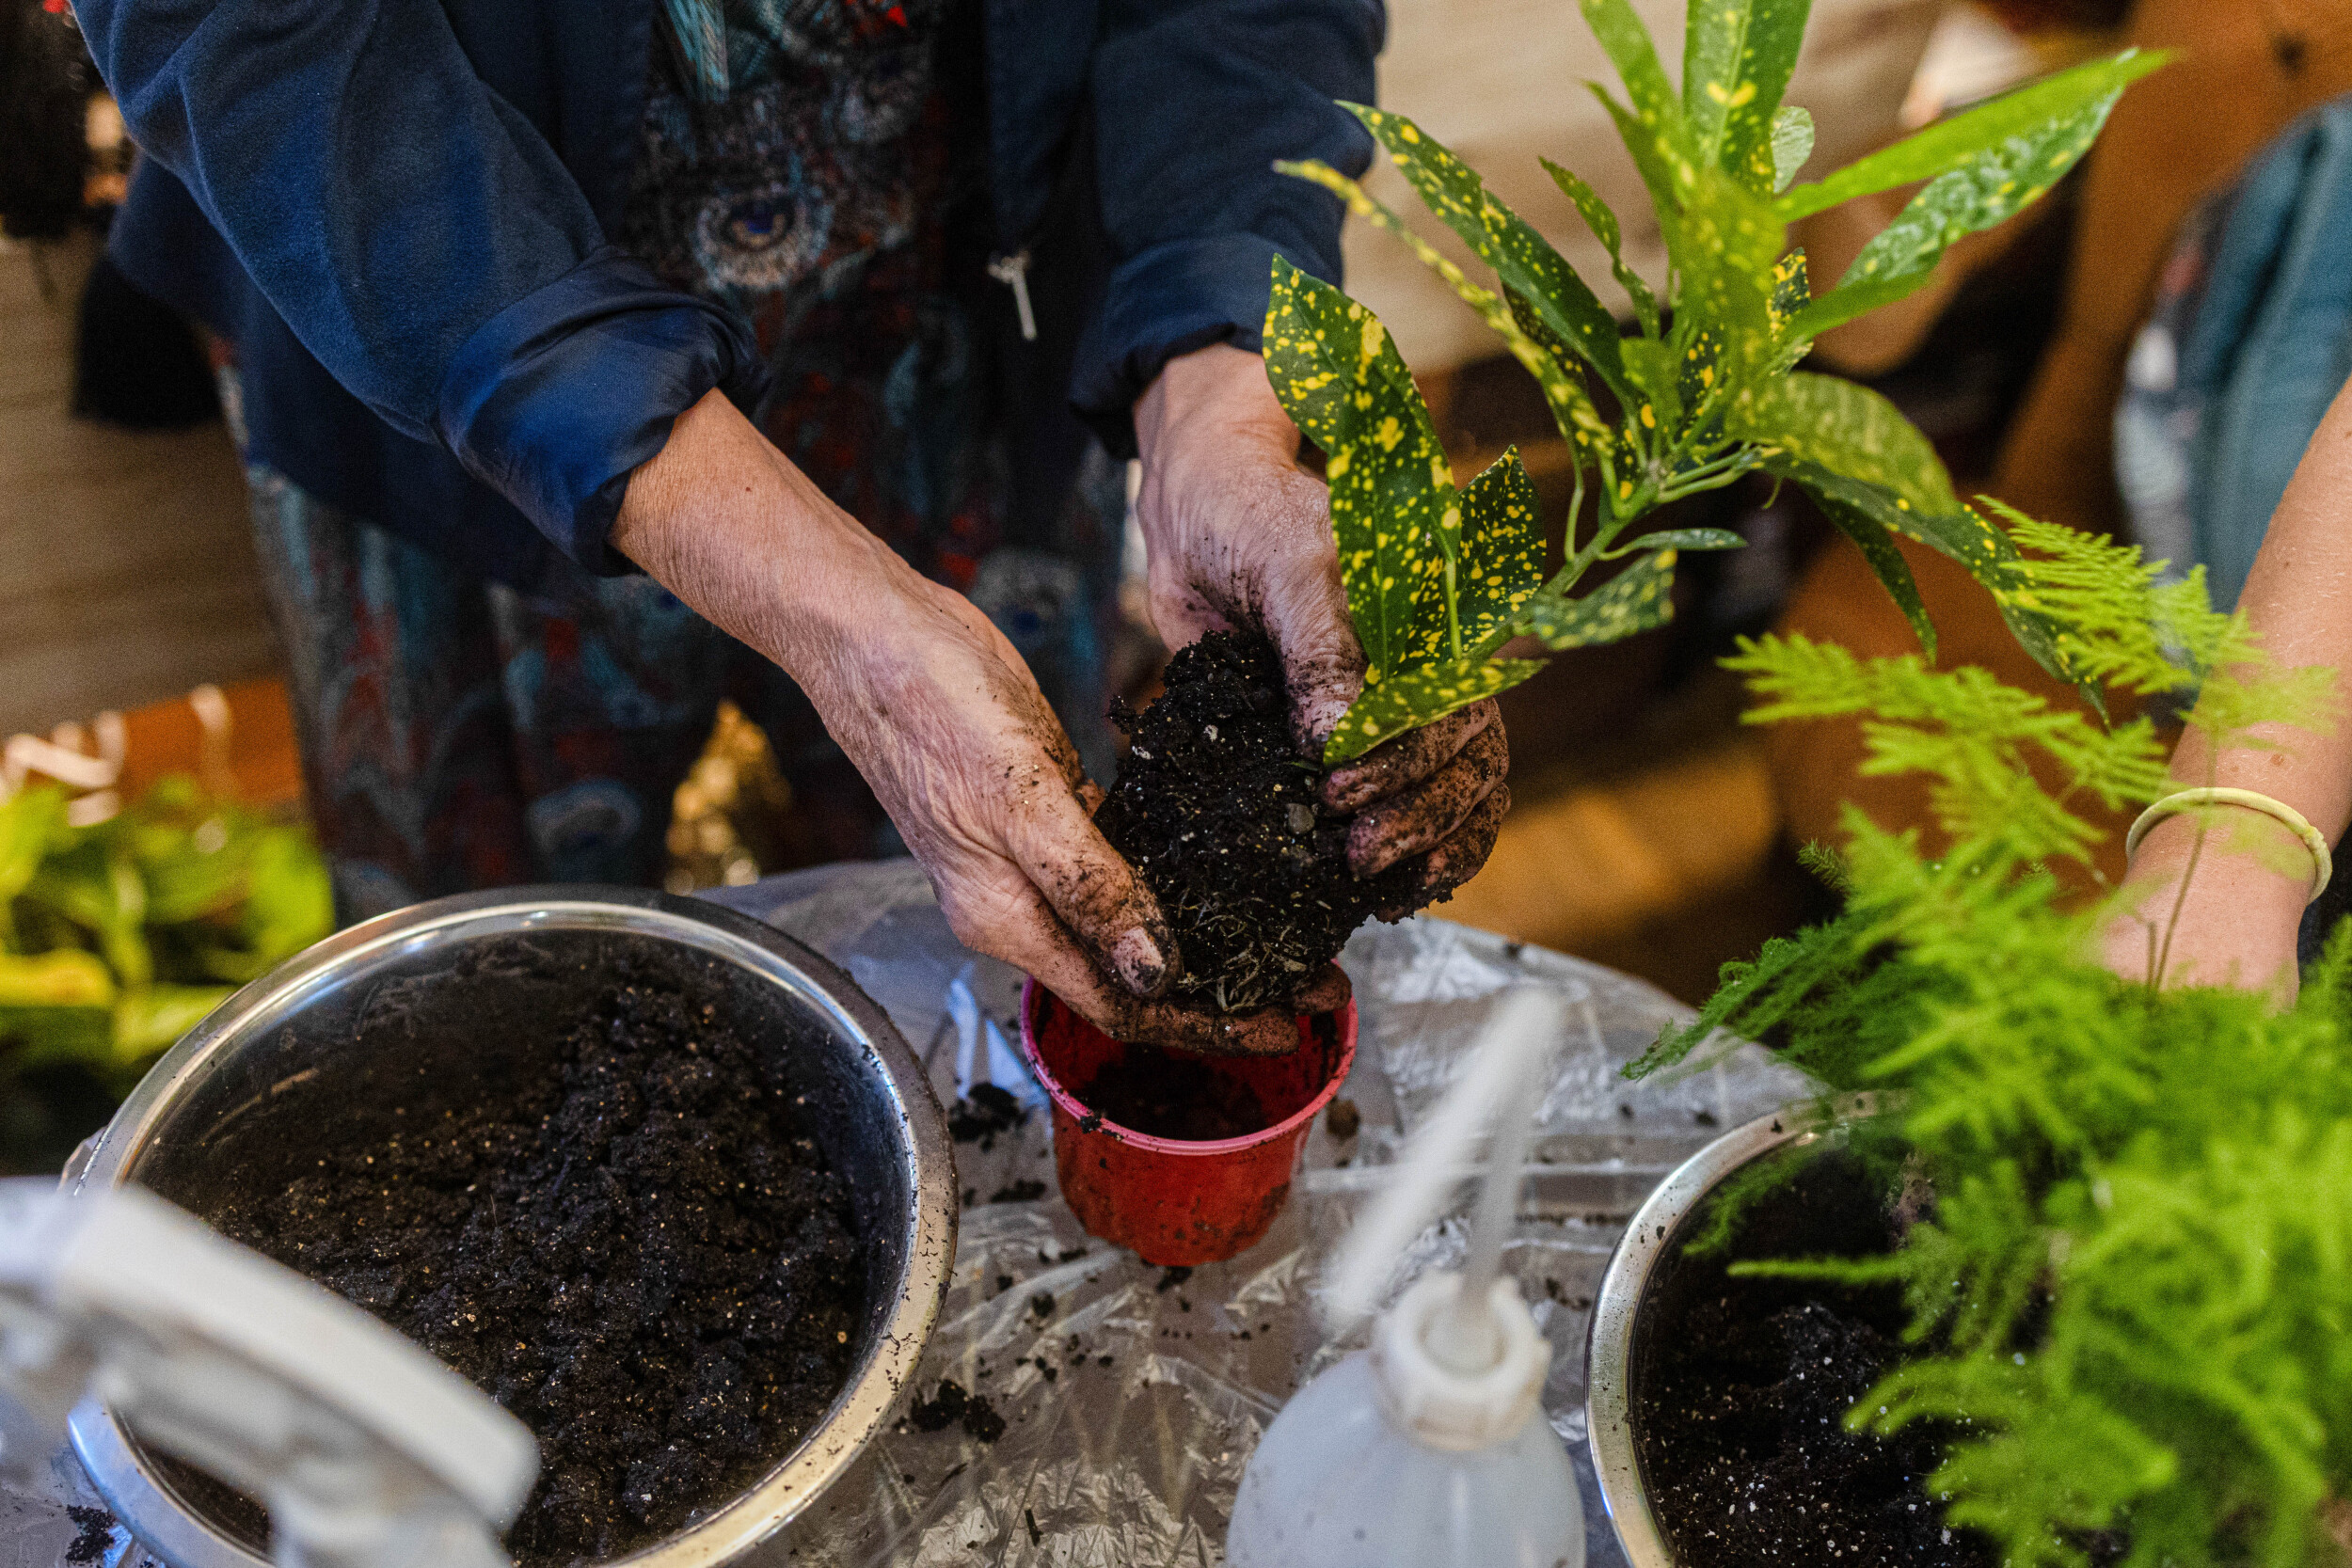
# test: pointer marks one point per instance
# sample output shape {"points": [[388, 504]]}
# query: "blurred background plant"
{"points": [[124, 924]]}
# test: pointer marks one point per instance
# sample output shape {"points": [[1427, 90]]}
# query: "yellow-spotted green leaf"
{"points": [[1991, 188], [1394, 509], [1849, 430], [1655, 367], [1635, 600], [1603, 223], [1961, 536], [1737, 59], [1533, 272], [1680, 539], [1731, 245], [1951, 144], [1666, 168], [1792, 144], [1886, 562], [1627, 45], [1415, 697], [1792, 289], [1571, 405], [64, 977], [1502, 549]]}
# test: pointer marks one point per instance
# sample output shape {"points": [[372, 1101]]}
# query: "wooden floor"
{"points": [[126, 568]]}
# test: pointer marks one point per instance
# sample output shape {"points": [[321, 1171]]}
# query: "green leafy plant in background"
{"points": [[1704, 392], [2131, 1294], [116, 938]]}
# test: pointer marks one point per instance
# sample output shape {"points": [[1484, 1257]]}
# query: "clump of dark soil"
{"points": [[1741, 1388], [643, 1256], [951, 1407], [1216, 811], [1170, 1094]]}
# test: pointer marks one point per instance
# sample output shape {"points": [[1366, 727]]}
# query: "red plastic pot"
{"points": [[1172, 1201]]}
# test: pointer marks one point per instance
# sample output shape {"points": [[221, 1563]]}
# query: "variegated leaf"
{"points": [[1792, 144], [1680, 539], [1529, 268], [1571, 405], [1731, 245], [1736, 59], [1972, 134], [1635, 600], [1502, 549], [1393, 508], [1627, 45], [1849, 430], [1990, 188], [1415, 697], [1886, 561], [1603, 223], [1961, 536], [1666, 170], [1654, 369]]}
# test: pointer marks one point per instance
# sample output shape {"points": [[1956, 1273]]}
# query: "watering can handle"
{"points": [[367, 1452]]}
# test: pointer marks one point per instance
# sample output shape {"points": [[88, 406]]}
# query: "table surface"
{"points": [[1133, 1396]]}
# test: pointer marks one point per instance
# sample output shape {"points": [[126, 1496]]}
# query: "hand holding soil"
{"points": [[936, 709], [1240, 540]]}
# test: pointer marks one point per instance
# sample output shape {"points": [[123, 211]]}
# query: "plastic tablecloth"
{"points": [[1131, 1397]]}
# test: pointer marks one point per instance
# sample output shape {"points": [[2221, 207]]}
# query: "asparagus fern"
{"points": [[2131, 1293]]}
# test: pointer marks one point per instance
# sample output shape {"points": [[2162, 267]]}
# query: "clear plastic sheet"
{"points": [[1131, 1396]]}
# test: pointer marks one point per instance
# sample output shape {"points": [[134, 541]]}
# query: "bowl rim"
{"points": [[166, 1527], [1609, 1343], [1032, 995]]}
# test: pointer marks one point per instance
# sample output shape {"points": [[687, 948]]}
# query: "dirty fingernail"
{"points": [[1140, 965]]}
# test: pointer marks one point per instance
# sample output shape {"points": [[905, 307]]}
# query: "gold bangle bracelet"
{"points": [[2323, 864]]}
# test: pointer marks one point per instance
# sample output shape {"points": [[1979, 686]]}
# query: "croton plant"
{"points": [[1702, 392]]}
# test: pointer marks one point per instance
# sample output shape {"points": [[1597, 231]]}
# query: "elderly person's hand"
{"points": [[1239, 536], [938, 712]]}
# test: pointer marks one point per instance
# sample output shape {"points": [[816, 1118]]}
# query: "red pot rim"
{"points": [[1079, 1110]]}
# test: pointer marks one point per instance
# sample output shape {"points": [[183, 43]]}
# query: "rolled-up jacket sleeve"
{"points": [[1194, 100], [422, 240]]}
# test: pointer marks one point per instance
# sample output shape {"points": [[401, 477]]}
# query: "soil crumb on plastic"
{"points": [[1170, 1094], [989, 1111], [643, 1256], [1217, 812], [951, 1407]]}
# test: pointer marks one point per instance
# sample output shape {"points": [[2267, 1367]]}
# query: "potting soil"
{"points": [[1217, 812], [645, 1257], [1168, 1094], [1741, 1389]]}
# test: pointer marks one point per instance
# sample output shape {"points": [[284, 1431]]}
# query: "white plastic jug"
{"points": [[1429, 1450]]}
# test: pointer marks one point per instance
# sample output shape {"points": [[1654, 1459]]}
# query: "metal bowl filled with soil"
{"points": [[656, 1177], [1717, 1403]]}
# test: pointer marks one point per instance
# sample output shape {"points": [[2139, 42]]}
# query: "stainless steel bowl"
{"points": [[1610, 1351], [432, 1004]]}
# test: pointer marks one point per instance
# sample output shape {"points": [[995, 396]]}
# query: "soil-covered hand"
{"points": [[938, 712], [1239, 538]]}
